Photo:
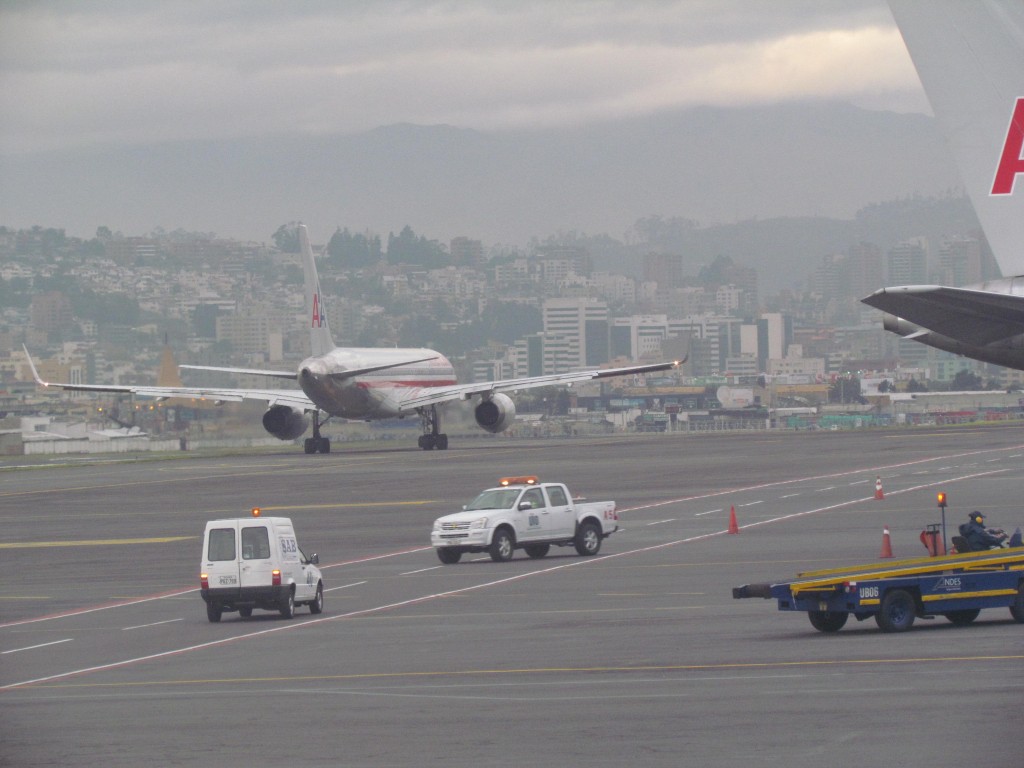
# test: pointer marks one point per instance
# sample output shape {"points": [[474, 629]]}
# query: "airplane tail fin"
{"points": [[970, 58], [320, 340]]}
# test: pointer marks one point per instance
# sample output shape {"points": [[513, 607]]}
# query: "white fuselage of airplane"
{"points": [[371, 394]]}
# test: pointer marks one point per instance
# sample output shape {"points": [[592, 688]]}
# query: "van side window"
{"points": [[222, 544], [255, 543], [557, 496]]}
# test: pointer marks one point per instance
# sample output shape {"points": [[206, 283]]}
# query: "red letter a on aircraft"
{"points": [[316, 311], [1011, 163]]}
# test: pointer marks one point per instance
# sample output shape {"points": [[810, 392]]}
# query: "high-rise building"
{"points": [[466, 252], [584, 325], [960, 261], [665, 269], [908, 263]]}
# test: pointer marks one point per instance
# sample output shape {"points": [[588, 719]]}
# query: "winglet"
{"points": [[32, 366]]}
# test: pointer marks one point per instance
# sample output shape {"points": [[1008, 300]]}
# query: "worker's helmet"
{"points": [[977, 517]]}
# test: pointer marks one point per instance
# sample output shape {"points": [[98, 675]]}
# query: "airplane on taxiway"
{"points": [[970, 58], [363, 383]]}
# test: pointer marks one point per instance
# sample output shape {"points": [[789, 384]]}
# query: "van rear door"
{"points": [[220, 560], [257, 555]]}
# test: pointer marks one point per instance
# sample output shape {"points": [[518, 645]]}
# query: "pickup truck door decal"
{"points": [[533, 523]]}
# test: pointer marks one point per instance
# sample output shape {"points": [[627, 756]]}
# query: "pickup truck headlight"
{"points": [[480, 522]]}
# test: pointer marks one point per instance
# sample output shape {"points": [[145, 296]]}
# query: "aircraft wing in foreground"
{"points": [[970, 58]]}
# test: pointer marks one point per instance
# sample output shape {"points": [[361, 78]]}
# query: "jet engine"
{"points": [[285, 422], [496, 413]]}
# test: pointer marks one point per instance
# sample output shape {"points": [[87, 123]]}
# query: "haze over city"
{"points": [[233, 118]]}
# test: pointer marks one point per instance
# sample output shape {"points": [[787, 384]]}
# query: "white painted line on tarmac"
{"points": [[670, 520], [581, 563], [33, 647], [709, 512], [421, 570], [345, 586], [154, 624], [751, 503], [106, 607]]}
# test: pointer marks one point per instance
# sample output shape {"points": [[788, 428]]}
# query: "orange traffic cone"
{"points": [[886, 543], [733, 526], [878, 488]]}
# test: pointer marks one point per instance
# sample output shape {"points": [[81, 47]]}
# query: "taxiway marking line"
{"points": [[154, 624], [33, 647], [345, 586], [727, 666], [452, 592], [93, 542]]}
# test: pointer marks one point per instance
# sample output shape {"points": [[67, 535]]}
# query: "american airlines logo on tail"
{"points": [[318, 317], [1010, 162]]}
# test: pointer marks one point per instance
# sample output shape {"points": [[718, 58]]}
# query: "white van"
{"points": [[255, 562]]}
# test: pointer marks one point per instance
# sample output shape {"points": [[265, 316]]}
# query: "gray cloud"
{"points": [[74, 75]]}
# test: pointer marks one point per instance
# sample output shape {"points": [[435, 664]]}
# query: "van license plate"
{"points": [[228, 580]]}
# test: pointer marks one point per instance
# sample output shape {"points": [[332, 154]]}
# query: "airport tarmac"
{"points": [[638, 656]]}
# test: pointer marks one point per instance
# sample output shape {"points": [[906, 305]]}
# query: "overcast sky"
{"points": [[137, 72]]}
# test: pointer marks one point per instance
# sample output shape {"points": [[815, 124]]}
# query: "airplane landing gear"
{"points": [[316, 443], [432, 436]]}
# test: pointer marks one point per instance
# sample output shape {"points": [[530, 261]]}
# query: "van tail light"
{"points": [[204, 581], [275, 578]]}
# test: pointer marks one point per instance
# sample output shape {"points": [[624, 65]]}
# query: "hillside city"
{"points": [[109, 309]]}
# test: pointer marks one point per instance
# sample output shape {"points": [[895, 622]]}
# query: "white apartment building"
{"points": [[584, 324]]}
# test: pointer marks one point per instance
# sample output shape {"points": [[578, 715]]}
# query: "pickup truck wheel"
{"points": [[1017, 609], [588, 540], [213, 612], [896, 612], [828, 621], [537, 550], [288, 605], [964, 617], [317, 606], [449, 555], [245, 611], [502, 546]]}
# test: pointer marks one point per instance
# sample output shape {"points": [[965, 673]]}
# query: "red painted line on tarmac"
{"points": [[182, 591]]}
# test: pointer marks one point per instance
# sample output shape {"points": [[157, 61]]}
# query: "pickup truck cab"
{"points": [[523, 513], [255, 562]]}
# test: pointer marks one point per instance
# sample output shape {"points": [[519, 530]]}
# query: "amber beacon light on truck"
{"points": [[523, 480]]}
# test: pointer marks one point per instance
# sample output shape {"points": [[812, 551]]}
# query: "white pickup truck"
{"points": [[522, 513]]}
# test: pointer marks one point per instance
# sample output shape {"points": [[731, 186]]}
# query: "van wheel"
{"points": [[213, 612], [288, 605], [588, 539], [317, 606], [245, 611]]}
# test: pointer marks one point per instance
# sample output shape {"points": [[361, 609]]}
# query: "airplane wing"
{"points": [[250, 371], [435, 395], [971, 316], [290, 375], [292, 397]]}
